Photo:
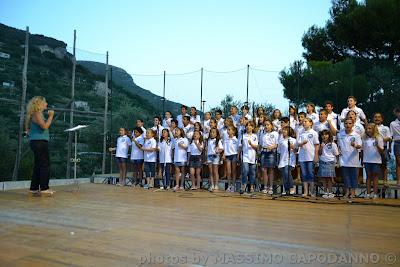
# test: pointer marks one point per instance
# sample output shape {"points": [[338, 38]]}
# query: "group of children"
{"points": [[302, 140]]}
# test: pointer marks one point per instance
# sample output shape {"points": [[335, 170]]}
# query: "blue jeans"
{"points": [[286, 173], [350, 177], [307, 171], [248, 170], [167, 174]]}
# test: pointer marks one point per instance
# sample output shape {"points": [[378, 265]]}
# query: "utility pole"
{"points": [[71, 113], [103, 165], [22, 107]]}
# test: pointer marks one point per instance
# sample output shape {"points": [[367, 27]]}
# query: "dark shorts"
{"points": [[396, 148], [213, 159], [150, 169], [180, 164], [268, 159], [231, 158], [137, 161], [372, 167], [121, 160], [195, 161], [350, 177]]}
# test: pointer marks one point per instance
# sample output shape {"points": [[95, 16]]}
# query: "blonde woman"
{"points": [[37, 128]]}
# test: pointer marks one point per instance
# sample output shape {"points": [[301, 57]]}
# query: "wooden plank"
{"points": [[104, 225]]}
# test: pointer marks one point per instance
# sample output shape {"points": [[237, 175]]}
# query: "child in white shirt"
{"points": [[372, 146], [150, 158], [349, 143], [121, 154], [248, 147]]}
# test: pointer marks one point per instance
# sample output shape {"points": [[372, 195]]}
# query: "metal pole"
{"points": [[247, 87], [103, 165], [71, 114], [75, 154], [22, 107], [111, 106], [201, 92], [163, 105]]}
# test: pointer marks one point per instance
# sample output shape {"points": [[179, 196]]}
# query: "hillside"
{"points": [[49, 74], [123, 79]]}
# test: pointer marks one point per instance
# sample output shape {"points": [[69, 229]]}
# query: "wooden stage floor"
{"points": [[104, 225]]}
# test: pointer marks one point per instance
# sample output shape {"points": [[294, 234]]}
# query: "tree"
{"points": [[356, 53]]}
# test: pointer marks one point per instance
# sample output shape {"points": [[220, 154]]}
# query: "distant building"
{"points": [[100, 88], [81, 105], [4, 55], [10, 84]]}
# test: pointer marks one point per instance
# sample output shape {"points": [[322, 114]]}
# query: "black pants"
{"points": [[41, 169]]}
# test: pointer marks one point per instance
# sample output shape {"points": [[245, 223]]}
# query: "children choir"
{"points": [[255, 149]]}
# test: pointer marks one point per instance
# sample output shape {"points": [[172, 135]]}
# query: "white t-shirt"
{"points": [[248, 116], [180, 154], [360, 115], [395, 129], [334, 118], [307, 151], [188, 130], [293, 122], [231, 146], [269, 139], [220, 124], [206, 128], [385, 132], [236, 119], [179, 118], [136, 152], [211, 149], [194, 150], [349, 155], [123, 144], [277, 124], [249, 153], [299, 130], [158, 131], [284, 153], [150, 156], [194, 119], [224, 133], [358, 128], [313, 116], [320, 126], [370, 149], [329, 152], [165, 151], [166, 123]]}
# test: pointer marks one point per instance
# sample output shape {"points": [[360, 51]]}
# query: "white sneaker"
{"points": [[375, 196], [175, 188], [161, 187], [291, 191], [331, 195], [284, 193], [325, 196], [181, 188], [167, 188], [366, 196], [304, 195], [270, 191], [216, 187], [265, 191], [211, 188]]}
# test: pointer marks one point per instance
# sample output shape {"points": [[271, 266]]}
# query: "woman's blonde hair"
{"points": [[374, 128], [34, 105]]}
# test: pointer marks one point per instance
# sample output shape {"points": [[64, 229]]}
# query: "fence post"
{"points": [[71, 114], [103, 165], [22, 108]]}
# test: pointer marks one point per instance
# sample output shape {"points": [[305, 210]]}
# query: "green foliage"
{"points": [[356, 53]]}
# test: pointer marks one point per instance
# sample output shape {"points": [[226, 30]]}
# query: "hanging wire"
{"points": [[228, 71]]}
